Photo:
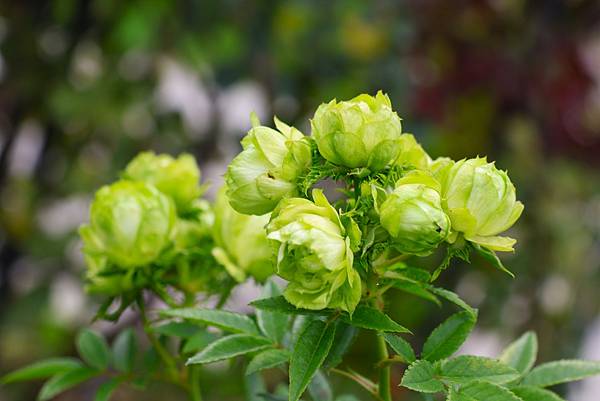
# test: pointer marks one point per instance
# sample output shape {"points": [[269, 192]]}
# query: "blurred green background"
{"points": [[85, 85]]}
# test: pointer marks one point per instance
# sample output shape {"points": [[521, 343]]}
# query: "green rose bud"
{"points": [[130, 224], [241, 244], [481, 202], [178, 178], [412, 214], [314, 254], [412, 153], [267, 169], [362, 132]]}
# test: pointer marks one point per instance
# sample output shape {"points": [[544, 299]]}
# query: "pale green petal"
{"points": [[504, 244]]}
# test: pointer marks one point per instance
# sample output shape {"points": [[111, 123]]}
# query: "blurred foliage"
{"points": [[87, 84]]}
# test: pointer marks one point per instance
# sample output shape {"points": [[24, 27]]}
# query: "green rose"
{"points": [[413, 216], [480, 201], [130, 224], [412, 153], [267, 169], [314, 254], [241, 244], [362, 132], [178, 178]]}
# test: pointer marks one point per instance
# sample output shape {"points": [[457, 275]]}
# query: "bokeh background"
{"points": [[85, 85]]}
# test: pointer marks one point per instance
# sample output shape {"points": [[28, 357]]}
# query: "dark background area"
{"points": [[85, 85]]}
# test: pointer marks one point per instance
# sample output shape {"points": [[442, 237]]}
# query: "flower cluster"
{"points": [[272, 216], [398, 201], [151, 228]]}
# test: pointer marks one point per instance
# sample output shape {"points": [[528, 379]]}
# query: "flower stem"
{"points": [[167, 359], [195, 384], [384, 370]]}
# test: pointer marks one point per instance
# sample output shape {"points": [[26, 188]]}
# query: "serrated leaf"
{"points": [[176, 329], [93, 349], [42, 369], [280, 304], [124, 350], [529, 393], [229, 347], [522, 353], [199, 341], [492, 258], [482, 391], [454, 298], [64, 381], [466, 368], [420, 376], [107, 388], [228, 321], [319, 388], [447, 338], [401, 347], [551, 373], [373, 319], [344, 337], [309, 353], [416, 289], [272, 324], [267, 359]]}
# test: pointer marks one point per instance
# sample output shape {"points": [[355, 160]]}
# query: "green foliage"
{"points": [[369, 318], [93, 349], [447, 338], [344, 336], [124, 351], [421, 376], [267, 359], [107, 388], [400, 347], [466, 368], [198, 341], [176, 329], [280, 304], [230, 347], [309, 353], [228, 321], [272, 324], [522, 353], [481, 391], [42, 369], [64, 381], [529, 393], [552, 373]]}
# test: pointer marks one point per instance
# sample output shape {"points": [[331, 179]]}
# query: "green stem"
{"points": [[195, 392], [384, 370], [168, 360]]}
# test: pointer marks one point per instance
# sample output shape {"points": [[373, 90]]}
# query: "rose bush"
{"points": [[150, 236]]}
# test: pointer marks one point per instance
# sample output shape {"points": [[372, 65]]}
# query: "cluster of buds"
{"points": [[151, 227], [398, 198], [398, 203]]}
